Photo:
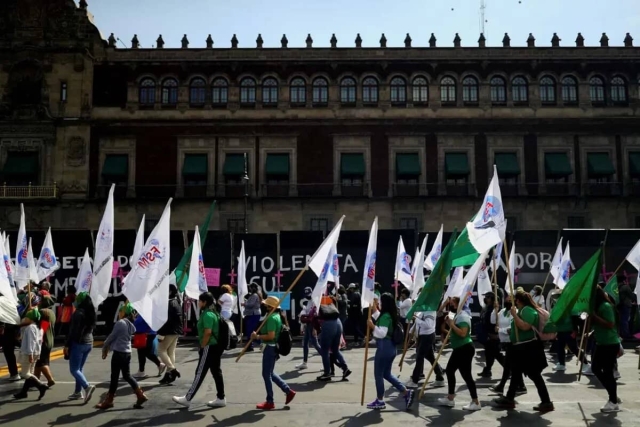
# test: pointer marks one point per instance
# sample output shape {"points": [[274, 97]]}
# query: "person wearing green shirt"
{"points": [[210, 353], [607, 349], [461, 357], [269, 334], [565, 338]]}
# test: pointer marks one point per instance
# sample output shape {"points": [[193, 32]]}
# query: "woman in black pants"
{"points": [[528, 353], [503, 321], [461, 357], [148, 351]]}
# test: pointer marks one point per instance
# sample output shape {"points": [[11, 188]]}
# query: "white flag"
{"points": [[103, 262], [512, 270], [321, 284], [434, 255], [139, 244], [484, 283], [418, 274], [85, 274], [21, 275], [197, 282], [456, 283], [488, 227], [556, 262], [369, 277], [471, 276], [33, 270], [334, 271], [47, 262], [148, 287], [243, 288], [403, 267], [634, 256], [637, 289], [565, 268], [319, 259], [6, 288], [8, 264]]}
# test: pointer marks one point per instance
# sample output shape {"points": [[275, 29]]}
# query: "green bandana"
{"points": [[127, 309], [33, 314], [81, 297]]}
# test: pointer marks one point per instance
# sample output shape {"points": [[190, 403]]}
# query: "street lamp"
{"points": [[246, 192]]}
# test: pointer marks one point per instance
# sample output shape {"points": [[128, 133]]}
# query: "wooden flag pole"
{"points": [[506, 252], [284, 297], [406, 346], [366, 356], [587, 324]]}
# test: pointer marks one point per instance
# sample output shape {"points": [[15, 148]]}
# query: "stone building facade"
{"points": [[409, 134]]}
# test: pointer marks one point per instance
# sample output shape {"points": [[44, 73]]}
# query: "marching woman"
{"points": [[308, 320], [170, 332], [119, 342], [226, 302], [30, 353], [79, 344], [210, 353], [504, 327], [528, 353], [607, 348], [147, 350], [251, 313], [386, 318], [330, 339], [461, 357]]}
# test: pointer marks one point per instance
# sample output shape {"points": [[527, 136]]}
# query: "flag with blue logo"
{"points": [[418, 269], [103, 255], [21, 275], [8, 263], [197, 280], [556, 262], [47, 262], [565, 269], [488, 227], [6, 288], [323, 278], [369, 276], [85, 274], [322, 262], [434, 255], [403, 266]]}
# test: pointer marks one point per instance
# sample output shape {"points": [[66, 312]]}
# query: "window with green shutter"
{"points": [[352, 165], [634, 164], [557, 165], [408, 166], [277, 167], [21, 168], [456, 165], [599, 165], [507, 165]]}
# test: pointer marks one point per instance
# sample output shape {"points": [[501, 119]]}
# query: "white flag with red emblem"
{"points": [[369, 277], [21, 275], [403, 266], [85, 274], [103, 253], [47, 262], [197, 281], [488, 227]]}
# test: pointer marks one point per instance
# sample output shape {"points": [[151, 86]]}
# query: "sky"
{"points": [[370, 18]]}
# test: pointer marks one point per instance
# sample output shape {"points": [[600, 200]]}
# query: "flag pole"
{"points": [[504, 245], [544, 285], [406, 346], [366, 355], [494, 280], [284, 297], [587, 324]]}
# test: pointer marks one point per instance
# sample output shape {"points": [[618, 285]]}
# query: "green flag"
{"points": [[182, 270], [429, 298], [612, 289], [578, 291], [463, 253]]}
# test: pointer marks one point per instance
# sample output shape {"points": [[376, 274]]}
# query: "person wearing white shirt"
{"points": [[503, 322], [405, 304], [226, 302], [538, 298], [425, 326]]}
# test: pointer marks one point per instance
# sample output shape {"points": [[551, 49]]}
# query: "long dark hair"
{"points": [[208, 300], [388, 305], [525, 299]]}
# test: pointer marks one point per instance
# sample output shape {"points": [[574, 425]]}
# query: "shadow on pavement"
{"points": [[176, 417], [446, 417], [561, 377], [249, 417], [360, 419]]}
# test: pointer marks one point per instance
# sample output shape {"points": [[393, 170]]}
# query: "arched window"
{"points": [[520, 90], [170, 92], [569, 90], [498, 90], [448, 89], [370, 91], [220, 92], [147, 95], [618, 90], [298, 91], [269, 91], [248, 91], [470, 90], [197, 91], [398, 91], [596, 89], [348, 91], [320, 91], [420, 90], [547, 90]]}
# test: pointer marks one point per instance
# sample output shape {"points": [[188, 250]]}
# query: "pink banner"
{"points": [[213, 276], [116, 269]]}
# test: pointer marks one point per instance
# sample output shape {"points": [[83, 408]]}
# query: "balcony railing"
{"points": [[602, 189], [401, 189], [559, 189], [29, 191], [632, 188], [462, 189]]}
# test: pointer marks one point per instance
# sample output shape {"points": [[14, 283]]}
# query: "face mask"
{"points": [[507, 305]]}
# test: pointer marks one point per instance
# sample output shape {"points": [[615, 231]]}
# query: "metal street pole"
{"points": [[246, 193]]}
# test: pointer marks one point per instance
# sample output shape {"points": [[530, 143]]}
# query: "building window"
{"points": [[470, 90], [576, 221], [170, 92], [637, 222], [420, 90], [498, 90], [547, 90], [195, 171], [197, 91], [220, 92], [269, 91], [408, 223], [21, 168], [569, 90], [596, 90], [63, 91], [348, 91], [320, 91], [319, 224], [398, 91], [147, 94], [512, 223], [235, 225], [520, 90], [618, 90], [248, 91], [370, 91], [298, 92], [150, 223], [115, 170], [447, 90]]}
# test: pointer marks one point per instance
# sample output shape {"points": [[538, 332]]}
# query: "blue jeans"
{"points": [[382, 364], [308, 336], [78, 354], [251, 324], [625, 315], [330, 341], [269, 357]]}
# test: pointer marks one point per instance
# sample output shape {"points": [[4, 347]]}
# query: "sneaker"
{"points": [[586, 370], [521, 390], [324, 377], [472, 407], [485, 374], [616, 374], [610, 407], [14, 378], [496, 389], [181, 400], [504, 403], [302, 365], [372, 342], [161, 368], [411, 384], [76, 396], [265, 406], [290, 395], [559, 368], [88, 392], [438, 383], [544, 407], [377, 404], [218, 403], [444, 401], [139, 375], [345, 374], [408, 399]]}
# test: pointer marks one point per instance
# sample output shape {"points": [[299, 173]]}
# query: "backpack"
{"points": [[543, 318], [285, 341], [397, 335], [225, 337]]}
